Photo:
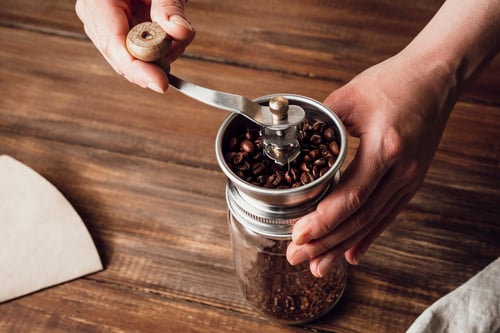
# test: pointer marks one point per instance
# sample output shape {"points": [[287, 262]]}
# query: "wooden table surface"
{"points": [[140, 167]]}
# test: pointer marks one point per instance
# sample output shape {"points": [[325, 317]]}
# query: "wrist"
{"points": [[460, 39]]}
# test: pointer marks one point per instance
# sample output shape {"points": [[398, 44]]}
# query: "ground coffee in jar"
{"points": [[265, 199]]}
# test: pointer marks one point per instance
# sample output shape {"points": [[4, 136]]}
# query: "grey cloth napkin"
{"points": [[474, 307]]}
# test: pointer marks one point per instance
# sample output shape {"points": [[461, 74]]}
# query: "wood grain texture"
{"points": [[140, 167]]}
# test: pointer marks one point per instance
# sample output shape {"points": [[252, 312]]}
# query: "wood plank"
{"points": [[175, 263], [329, 40], [140, 169], [98, 108], [110, 105], [381, 285], [93, 306]]}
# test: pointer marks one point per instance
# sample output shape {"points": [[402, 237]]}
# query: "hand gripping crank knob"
{"points": [[149, 42]]}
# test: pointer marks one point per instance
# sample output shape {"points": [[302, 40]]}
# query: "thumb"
{"points": [[347, 103], [169, 14], [341, 101]]}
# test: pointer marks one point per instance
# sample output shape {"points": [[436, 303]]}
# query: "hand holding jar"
{"points": [[398, 109]]}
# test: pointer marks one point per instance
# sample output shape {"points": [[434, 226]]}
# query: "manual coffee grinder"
{"points": [[281, 155]]}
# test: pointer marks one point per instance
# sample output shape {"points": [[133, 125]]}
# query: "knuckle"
{"points": [[354, 199], [412, 169], [323, 224], [358, 223], [106, 49], [317, 248], [392, 146]]}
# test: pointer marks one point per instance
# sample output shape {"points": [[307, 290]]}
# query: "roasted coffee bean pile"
{"points": [[291, 294], [319, 149]]}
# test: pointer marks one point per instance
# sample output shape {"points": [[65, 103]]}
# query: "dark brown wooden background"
{"points": [[140, 167]]}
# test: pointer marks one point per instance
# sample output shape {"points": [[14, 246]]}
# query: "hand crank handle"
{"points": [[149, 42]]}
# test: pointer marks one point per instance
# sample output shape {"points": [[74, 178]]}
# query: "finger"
{"points": [[354, 254], [345, 102], [299, 252], [321, 264], [171, 17], [360, 179], [391, 189], [146, 75], [106, 24]]}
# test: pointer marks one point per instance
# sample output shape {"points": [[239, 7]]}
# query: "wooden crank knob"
{"points": [[147, 41]]}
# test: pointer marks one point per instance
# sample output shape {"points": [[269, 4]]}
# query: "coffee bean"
{"points": [[243, 166], [233, 142], [320, 161], [318, 126], [314, 154], [315, 171], [238, 158], [258, 168], [247, 146], [274, 180], [329, 134], [306, 126], [326, 153], [259, 143], [316, 139], [291, 176], [304, 166], [230, 156], [318, 148], [306, 178], [249, 135], [323, 171], [334, 148], [257, 156], [262, 179]]}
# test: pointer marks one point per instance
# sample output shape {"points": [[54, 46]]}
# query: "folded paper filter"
{"points": [[43, 241]]}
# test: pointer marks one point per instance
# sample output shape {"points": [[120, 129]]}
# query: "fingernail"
{"points": [[177, 19], [357, 258], [323, 266], [155, 88], [298, 257]]}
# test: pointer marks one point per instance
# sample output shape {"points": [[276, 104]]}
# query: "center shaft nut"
{"points": [[281, 145]]}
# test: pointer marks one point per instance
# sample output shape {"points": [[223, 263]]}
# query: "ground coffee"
{"points": [[289, 293]]}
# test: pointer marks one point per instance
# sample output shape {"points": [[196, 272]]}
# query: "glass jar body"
{"points": [[276, 289]]}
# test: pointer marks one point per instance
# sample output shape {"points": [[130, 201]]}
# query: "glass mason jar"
{"points": [[261, 218]]}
